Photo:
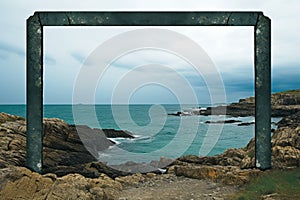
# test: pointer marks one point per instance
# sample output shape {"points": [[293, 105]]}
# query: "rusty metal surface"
{"points": [[34, 63]]}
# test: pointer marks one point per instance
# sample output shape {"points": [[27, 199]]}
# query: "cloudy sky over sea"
{"points": [[68, 49]]}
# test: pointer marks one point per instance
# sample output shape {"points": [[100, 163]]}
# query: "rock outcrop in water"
{"points": [[283, 104], [231, 121], [112, 133]]}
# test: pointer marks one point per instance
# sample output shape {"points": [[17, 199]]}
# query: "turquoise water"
{"points": [[157, 134]]}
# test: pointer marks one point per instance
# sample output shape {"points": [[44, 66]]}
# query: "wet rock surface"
{"points": [[230, 121], [246, 123]]}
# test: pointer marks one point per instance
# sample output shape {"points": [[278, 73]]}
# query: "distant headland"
{"points": [[283, 104]]}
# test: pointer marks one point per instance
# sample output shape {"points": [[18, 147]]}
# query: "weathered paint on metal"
{"points": [[148, 18], [263, 92], [34, 107], [262, 31]]}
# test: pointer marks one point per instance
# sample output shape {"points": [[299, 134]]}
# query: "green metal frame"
{"points": [[262, 35]]}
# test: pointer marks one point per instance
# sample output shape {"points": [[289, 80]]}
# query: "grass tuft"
{"points": [[280, 184]]}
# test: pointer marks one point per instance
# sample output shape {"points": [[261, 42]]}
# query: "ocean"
{"points": [[157, 134]]}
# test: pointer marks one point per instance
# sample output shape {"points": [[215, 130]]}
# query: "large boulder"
{"points": [[12, 141], [4, 117], [230, 175], [63, 150], [21, 183], [286, 143]]}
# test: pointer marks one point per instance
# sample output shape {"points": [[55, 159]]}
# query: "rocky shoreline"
{"points": [[71, 171], [63, 150], [282, 103]]}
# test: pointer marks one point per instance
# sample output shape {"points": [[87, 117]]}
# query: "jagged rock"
{"points": [[176, 114], [284, 111], [63, 150], [230, 175], [283, 104], [161, 163], [291, 97], [231, 157], [131, 180], [291, 121], [155, 166], [246, 123], [230, 121], [12, 141], [112, 133], [241, 109], [249, 160], [286, 143], [287, 136], [285, 157], [21, 183], [99, 167], [4, 117]]}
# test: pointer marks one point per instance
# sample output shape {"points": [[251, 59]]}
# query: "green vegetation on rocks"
{"points": [[275, 184]]}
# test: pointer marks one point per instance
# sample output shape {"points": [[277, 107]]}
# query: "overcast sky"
{"points": [[67, 50]]}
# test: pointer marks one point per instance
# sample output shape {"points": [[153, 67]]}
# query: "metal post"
{"points": [[263, 93], [34, 55]]}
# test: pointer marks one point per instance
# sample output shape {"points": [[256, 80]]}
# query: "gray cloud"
{"points": [[78, 57], [11, 49], [81, 58], [6, 49]]}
